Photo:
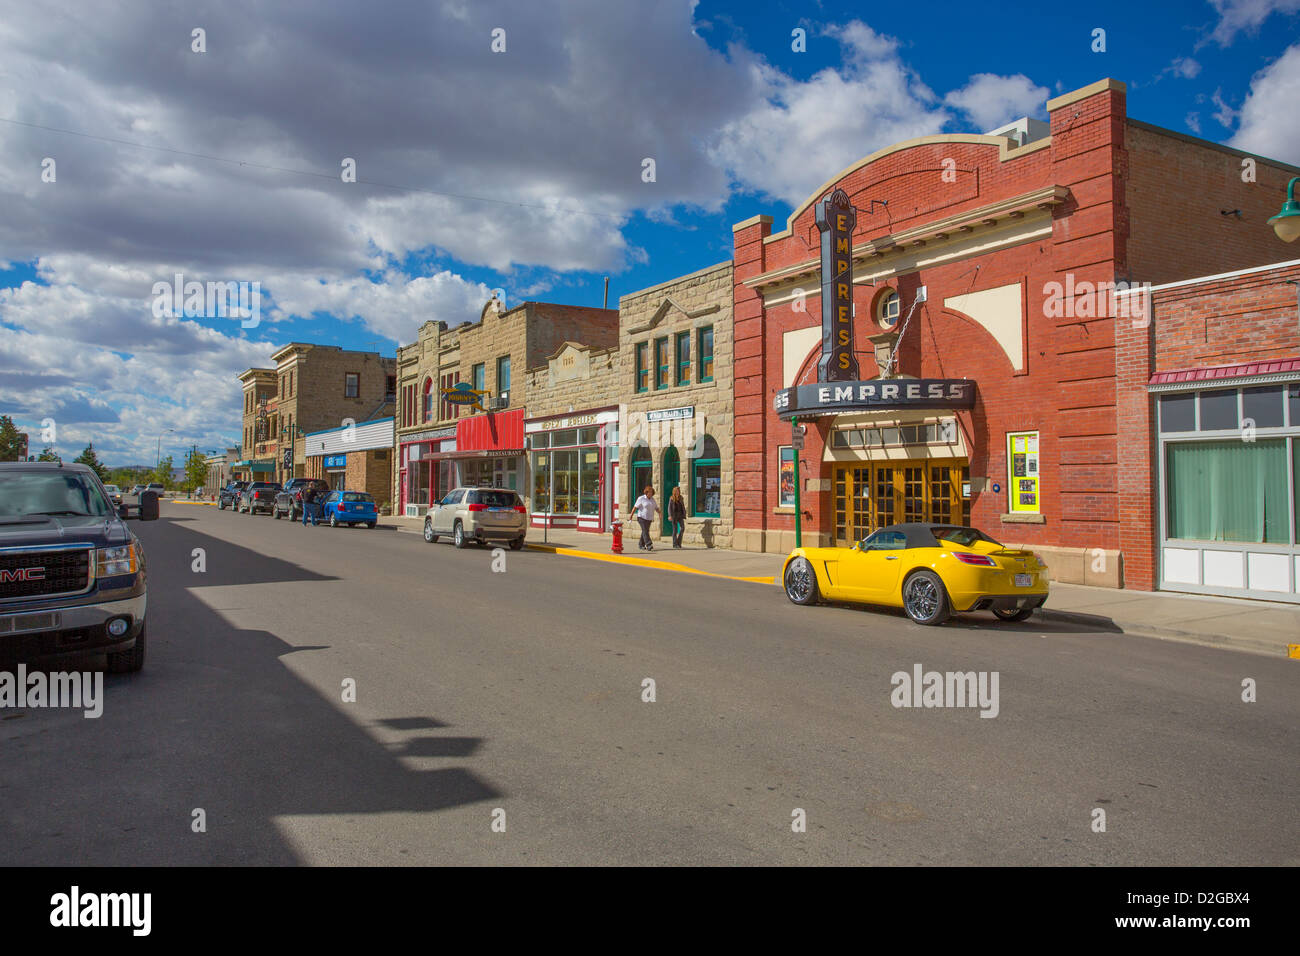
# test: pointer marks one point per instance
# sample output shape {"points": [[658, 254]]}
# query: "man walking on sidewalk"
{"points": [[646, 508]]}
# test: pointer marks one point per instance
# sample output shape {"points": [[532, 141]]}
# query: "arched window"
{"points": [[428, 399], [639, 471], [706, 480]]}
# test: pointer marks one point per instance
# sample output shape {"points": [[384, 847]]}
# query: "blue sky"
{"points": [[222, 164]]}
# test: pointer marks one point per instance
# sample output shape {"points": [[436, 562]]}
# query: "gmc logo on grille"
{"points": [[22, 574]]}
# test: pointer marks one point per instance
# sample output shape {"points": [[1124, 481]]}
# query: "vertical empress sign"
{"points": [[836, 218]]}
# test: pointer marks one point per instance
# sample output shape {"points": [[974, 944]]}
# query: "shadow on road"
{"points": [[215, 722]]}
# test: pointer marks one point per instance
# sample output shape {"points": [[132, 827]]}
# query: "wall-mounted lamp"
{"points": [[1287, 222]]}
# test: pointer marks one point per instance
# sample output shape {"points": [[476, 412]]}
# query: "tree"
{"points": [[88, 457], [163, 473], [49, 454], [196, 469], [11, 440]]}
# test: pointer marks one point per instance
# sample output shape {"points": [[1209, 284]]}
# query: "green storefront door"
{"points": [[672, 476], [640, 478]]}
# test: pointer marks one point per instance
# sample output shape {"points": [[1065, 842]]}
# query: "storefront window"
{"points": [[1228, 491], [706, 481], [566, 436], [541, 479], [564, 481], [589, 503]]}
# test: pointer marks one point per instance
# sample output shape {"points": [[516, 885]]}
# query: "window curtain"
{"points": [[1228, 491]]}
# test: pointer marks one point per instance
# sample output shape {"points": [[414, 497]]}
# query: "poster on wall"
{"points": [[1022, 462], [786, 477]]}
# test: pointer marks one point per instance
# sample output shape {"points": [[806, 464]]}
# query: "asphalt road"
{"points": [[522, 691]]}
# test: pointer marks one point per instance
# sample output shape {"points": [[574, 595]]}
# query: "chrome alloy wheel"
{"points": [[921, 598]]}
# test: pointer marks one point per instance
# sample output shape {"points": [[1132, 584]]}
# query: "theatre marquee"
{"points": [[830, 398]]}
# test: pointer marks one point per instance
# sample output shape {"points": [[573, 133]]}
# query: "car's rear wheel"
{"points": [[275, 513], [925, 599], [334, 520], [458, 536], [1013, 614], [801, 582], [371, 524], [128, 662], [517, 544], [429, 536]]}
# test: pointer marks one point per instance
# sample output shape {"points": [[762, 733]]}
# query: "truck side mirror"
{"points": [[148, 506], [123, 512]]}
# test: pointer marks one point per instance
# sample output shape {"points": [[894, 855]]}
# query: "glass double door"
{"points": [[870, 495]]}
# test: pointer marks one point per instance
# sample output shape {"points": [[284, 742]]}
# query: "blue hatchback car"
{"points": [[350, 507]]}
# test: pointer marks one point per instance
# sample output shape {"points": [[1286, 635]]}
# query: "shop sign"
{"points": [[835, 397], [573, 421], [335, 461], [836, 218], [462, 394], [670, 414], [433, 435]]}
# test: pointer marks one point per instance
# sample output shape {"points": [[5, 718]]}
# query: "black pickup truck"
{"points": [[72, 574], [228, 497]]}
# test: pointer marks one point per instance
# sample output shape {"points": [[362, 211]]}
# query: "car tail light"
{"points": [[477, 507], [340, 506], [983, 560], [521, 509]]}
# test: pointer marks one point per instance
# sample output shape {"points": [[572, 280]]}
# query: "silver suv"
{"points": [[485, 515]]}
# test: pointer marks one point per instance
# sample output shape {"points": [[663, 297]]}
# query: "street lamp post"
{"points": [[158, 457]]}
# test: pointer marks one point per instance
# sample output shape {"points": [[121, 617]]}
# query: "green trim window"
{"points": [[480, 377], [683, 358], [706, 354], [663, 361], [706, 481], [642, 363], [1228, 491]]}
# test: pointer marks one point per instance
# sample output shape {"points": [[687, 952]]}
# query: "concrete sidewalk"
{"points": [[1262, 627]]}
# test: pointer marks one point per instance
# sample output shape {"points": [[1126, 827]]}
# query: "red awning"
{"points": [[495, 431], [1216, 372]]}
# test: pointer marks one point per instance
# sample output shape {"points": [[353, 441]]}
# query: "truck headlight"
{"points": [[115, 561]]}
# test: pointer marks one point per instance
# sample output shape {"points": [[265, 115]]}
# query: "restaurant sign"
{"points": [[835, 397]]}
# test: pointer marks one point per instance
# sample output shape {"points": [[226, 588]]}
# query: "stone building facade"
{"points": [[439, 444], [257, 442], [676, 389]]}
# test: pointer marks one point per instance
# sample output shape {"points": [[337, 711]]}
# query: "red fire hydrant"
{"points": [[616, 530]]}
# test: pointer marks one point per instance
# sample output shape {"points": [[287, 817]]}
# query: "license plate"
{"points": [[1024, 580]]}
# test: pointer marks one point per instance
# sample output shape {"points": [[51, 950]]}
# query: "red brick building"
{"points": [[989, 260], [1208, 404]]}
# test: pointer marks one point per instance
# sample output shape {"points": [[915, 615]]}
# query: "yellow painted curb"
{"points": [[661, 565], [1293, 650], [182, 501]]}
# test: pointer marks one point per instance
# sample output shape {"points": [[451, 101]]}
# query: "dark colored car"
{"points": [[350, 507], [258, 496], [289, 500], [228, 497], [72, 574]]}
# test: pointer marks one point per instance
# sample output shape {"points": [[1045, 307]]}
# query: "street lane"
{"points": [[522, 690]]}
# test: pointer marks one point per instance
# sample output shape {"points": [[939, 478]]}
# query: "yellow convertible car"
{"points": [[929, 570]]}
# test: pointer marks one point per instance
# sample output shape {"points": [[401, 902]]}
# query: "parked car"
{"points": [[114, 495], [485, 515], [72, 574], [258, 496], [228, 497], [289, 501], [929, 570], [350, 507]]}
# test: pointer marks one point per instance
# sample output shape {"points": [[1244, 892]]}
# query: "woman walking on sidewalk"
{"points": [[646, 508], [677, 515]]}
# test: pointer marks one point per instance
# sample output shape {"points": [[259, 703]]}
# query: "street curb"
{"points": [[641, 562], [181, 501], [1226, 642]]}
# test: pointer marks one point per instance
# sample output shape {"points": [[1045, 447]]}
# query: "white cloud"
{"points": [[992, 101], [1268, 116], [801, 132], [1248, 15]]}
